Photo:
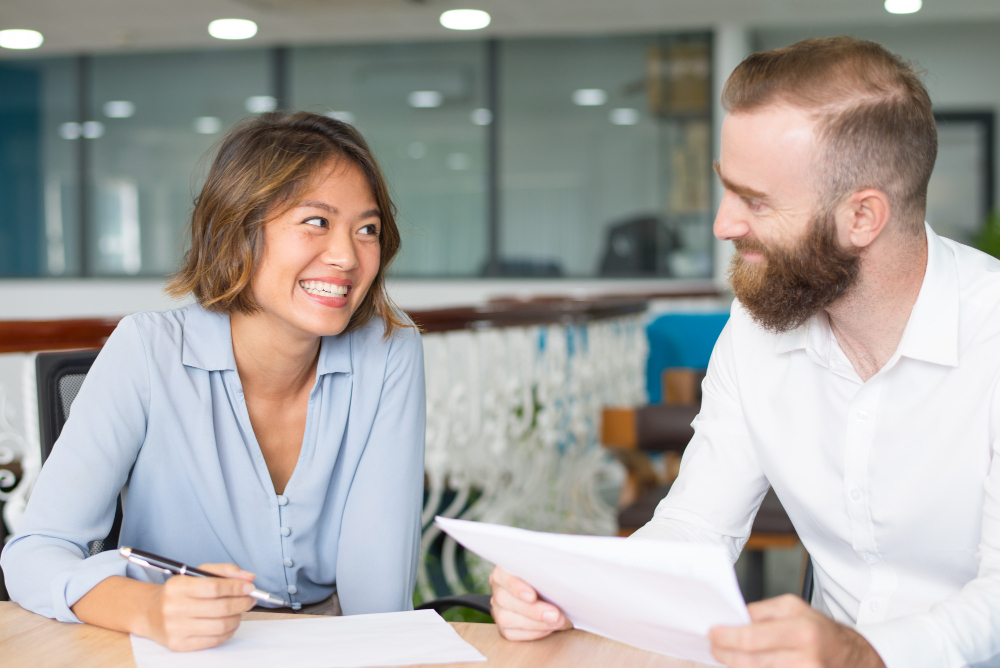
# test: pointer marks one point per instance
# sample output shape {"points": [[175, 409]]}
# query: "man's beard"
{"points": [[789, 286]]}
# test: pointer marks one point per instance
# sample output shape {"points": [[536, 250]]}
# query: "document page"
{"points": [[661, 596], [358, 641]]}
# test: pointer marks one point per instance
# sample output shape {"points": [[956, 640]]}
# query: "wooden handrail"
{"points": [[21, 336]]}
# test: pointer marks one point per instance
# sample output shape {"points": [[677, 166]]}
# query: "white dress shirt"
{"points": [[890, 483]]}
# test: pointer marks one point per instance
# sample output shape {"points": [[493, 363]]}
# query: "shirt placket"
{"points": [[861, 429]]}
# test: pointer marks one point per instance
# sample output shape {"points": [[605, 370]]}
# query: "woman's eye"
{"points": [[317, 221], [369, 229]]}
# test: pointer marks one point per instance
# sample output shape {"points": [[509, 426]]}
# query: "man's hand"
{"points": [[787, 632], [519, 613], [189, 613]]}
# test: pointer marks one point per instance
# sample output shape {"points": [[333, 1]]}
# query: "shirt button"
{"points": [[871, 558], [855, 494], [874, 606], [285, 531], [292, 589], [289, 563], [282, 500], [862, 416]]}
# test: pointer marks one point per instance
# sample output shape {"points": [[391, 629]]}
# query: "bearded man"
{"points": [[857, 376]]}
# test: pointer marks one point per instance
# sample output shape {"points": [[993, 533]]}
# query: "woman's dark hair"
{"points": [[261, 168]]}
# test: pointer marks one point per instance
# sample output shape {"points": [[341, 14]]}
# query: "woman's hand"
{"points": [[189, 613], [519, 613]]}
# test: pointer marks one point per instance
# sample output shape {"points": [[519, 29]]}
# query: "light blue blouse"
{"points": [[163, 409]]}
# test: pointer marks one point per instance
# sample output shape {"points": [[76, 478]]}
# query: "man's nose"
{"points": [[729, 221], [340, 251]]}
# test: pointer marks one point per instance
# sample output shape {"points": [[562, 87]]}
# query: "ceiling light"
{"points": [[425, 99], [20, 39], [465, 19], [260, 104], [93, 129], [232, 29], [119, 109], [589, 97], [481, 116], [69, 130], [343, 116], [903, 6], [624, 116], [207, 125]]}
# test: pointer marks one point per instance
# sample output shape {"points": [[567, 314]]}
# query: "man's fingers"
{"points": [[763, 636], [540, 612], [516, 586], [228, 571], [780, 607]]}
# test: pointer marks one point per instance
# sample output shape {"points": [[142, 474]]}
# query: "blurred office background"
{"points": [[564, 151]]}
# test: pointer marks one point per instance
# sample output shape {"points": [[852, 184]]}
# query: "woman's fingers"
{"points": [[228, 571], [519, 613]]}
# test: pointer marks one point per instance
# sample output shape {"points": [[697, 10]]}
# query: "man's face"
{"points": [[790, 260]]}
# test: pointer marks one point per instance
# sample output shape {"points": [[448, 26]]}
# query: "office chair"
{"points": [[59, 376]]}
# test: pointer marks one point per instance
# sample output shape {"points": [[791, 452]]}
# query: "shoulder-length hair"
{"points": [[262, 166]]}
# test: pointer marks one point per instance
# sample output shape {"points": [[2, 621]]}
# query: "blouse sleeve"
{"points": [[46, 565], [380, 534]]}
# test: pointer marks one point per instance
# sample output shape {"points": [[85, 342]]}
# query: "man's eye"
{"points": [[317, 221], [369, 229]]}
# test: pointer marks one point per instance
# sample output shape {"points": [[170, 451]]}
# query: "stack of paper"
{"points": [[390, 639], [661, 596]]}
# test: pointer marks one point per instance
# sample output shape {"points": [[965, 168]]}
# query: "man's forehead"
{"points": [[768, 148]]}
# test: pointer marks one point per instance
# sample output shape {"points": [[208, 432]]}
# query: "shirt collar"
{"points": [[208, 345], [931, 332]]}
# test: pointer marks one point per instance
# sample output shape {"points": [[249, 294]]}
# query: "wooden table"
{"points": [[32, 641]]}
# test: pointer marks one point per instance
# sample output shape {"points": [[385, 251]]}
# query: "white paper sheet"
{"points": [[661, 596], [358, 641]]}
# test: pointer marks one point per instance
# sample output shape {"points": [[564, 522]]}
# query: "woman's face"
{"points": [[321, 255]]}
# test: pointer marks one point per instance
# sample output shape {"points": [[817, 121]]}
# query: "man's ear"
{"points": [[863, 216]]}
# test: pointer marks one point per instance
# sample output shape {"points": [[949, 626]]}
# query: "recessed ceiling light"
{"points": [[69, 130], [207, 125], [93, 129], [465, 19], [903, 6], [232, 29], [624, 116], [119, 109], [20, 39], [481, 116], [589, 97], [425, 99], [260, 104]]}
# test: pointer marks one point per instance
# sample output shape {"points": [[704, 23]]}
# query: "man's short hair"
{"points": [[875, 117]]}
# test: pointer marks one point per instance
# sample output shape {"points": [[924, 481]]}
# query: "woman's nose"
{"points": [[340, 252]]}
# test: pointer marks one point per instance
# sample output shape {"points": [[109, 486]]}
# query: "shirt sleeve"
{"points": [[721, 484], [963, 629], [46, 565], [380, 535]]}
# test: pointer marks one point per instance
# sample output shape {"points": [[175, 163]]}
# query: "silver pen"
{"points": [[170, 567]]}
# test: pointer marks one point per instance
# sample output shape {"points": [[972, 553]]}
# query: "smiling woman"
{"points": [[276, 425]]}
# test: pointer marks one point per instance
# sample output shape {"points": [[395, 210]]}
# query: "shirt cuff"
{"points": [[914, 641], [72, 584]]}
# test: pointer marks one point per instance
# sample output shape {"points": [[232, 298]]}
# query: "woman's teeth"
{"points": [[324, 289]]}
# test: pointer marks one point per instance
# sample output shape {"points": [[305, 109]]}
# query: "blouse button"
{"points": [[855, 494], [282, 500], [289, 563], [285, 531], [292, 589], [874, 606]]}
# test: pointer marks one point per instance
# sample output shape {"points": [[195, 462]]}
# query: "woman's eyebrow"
{"points": [[316, 204]]}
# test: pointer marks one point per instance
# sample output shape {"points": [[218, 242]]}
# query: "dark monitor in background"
{"points": [[639, 246]]}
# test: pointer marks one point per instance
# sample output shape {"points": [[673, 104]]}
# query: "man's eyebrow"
{"points": [[316, 204], [743, 191]]}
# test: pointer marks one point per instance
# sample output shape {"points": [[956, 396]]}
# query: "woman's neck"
{"points": [[271, 359]]}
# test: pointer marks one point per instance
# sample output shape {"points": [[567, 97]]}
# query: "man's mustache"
{"points": [[748, 245]]}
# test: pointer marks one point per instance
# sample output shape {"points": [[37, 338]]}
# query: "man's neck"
{"points": [[870, 320]]}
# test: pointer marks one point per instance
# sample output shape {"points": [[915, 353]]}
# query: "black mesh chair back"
{"points": [[59, 377]]}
